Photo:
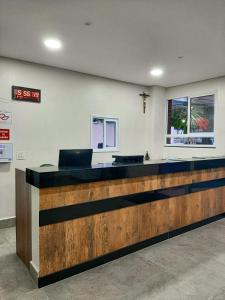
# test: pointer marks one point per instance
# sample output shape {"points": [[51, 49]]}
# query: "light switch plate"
{"points": [[20, 155]]}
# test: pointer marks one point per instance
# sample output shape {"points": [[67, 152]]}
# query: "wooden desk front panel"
{"points": [[69, 243], [74, 194], [192, 208]]}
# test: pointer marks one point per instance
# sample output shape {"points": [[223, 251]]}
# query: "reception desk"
{"points": [[76, 219]]}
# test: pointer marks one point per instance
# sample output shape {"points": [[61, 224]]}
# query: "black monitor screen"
{"points": [[75, 158]]}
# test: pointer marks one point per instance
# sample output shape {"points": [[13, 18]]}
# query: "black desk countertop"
{"points": [[53, 176]]}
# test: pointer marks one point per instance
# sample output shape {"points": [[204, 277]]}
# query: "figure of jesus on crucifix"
{"points": [[144, 97]]}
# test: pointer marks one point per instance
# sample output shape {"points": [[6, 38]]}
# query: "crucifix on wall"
{"points": [[144, 97]]}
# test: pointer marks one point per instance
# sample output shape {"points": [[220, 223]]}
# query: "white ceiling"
{"points": [[127, 37]]}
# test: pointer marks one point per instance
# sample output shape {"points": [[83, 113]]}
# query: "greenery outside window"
{"points": [[190, 121]]}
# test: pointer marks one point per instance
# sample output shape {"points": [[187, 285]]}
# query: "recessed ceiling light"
{"points": [[156, 72], [180, 57], [53, 44]]}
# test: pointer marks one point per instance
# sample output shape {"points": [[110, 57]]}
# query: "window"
{"points": [[104, 134], [190, 121]]}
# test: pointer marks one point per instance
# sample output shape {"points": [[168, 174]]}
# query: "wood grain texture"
{"points": [[23, 217], [184, 210], [153, 219], [72, 242], [74, 194], [206, 175], [191, 208], [69, 243]]}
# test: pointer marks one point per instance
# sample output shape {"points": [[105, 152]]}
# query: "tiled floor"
{"points": [[190, 266]]}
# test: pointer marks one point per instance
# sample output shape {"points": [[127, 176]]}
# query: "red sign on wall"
{"points": [[20, 93], [4, 134]]}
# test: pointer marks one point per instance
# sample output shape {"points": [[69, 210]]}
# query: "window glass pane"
{"points": [[97, 133], [190, 141], [202, 114], [110, 134], [177, 116]]}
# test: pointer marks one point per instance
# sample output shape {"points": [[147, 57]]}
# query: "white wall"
{"points": [[156, 122], [62, 120], [210, 86]]}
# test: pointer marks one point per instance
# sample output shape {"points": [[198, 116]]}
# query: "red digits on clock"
{"points": [[18, 93]]}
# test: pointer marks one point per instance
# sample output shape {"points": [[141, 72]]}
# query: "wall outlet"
{"points": [[20, 156]]}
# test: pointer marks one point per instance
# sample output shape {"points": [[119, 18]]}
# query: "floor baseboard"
{"points": [[34, 272], [7, 222]]}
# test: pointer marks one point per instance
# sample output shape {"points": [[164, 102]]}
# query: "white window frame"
{"points": [[106, 149], [195, 134]]}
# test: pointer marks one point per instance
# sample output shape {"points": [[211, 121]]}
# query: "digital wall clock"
{"points": [[20, 93]]}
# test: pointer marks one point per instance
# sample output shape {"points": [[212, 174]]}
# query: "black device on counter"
{"points": [[128, 159], [75, 158]]}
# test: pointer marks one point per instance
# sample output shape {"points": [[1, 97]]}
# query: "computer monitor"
{"points": [[75, 158]]}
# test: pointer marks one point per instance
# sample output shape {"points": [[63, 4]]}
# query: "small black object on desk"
{"points": [[128, 159]]}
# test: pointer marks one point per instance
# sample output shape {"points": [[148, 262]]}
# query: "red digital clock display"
{"points": [[26, 94]]}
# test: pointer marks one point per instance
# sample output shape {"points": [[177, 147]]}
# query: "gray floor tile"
{"points": [[5, 250], [36, 294], [204, 280], [9, 234], [220, 295], [169, 257], [189, 266], [15, 279], [92, 284]]}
